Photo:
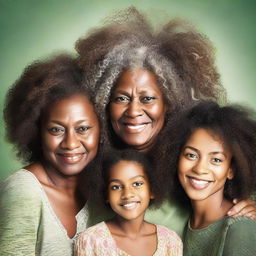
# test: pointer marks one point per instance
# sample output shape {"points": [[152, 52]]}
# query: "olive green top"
{"points": [[226, 237], [28, 224]]}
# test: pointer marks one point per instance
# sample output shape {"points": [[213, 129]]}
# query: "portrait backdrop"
{"points": [[35, 29]]}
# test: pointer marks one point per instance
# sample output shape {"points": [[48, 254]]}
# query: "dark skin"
{"points": [[137, 109], [205, 158], [62, 196], [129, 195], [134, 237], [137, 95], [70, 134]]}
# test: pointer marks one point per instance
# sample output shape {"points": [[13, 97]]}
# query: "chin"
{"points": [[136, 142]]}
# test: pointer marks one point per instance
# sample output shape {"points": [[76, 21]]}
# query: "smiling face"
{"points": [[69, 134], [204, 166], [137, 108], [128, 190]]}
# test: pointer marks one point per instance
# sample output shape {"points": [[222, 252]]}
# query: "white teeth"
{"points": [[136, 127], [73, 158], [129, 206], [200, 182]]}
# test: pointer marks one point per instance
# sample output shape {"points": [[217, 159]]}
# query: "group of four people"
{"points": [[113, 127]]}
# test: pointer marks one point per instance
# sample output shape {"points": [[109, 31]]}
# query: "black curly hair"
{"points": [[235, 125], [41, 83], [115, 156]]}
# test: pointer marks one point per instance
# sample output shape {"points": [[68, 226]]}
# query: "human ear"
{"points": [[152, 196], [230, 175]]}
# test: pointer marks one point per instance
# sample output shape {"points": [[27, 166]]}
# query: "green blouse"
{"points": [[226, 237], [28, 224]]}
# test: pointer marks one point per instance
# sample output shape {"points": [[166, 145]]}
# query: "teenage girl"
{"points": [[128, 190], [215, 153]]}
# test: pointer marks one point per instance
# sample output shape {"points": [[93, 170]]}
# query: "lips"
{"points": [[129, 205], [71, 158], [135, 128], [198, 183]]}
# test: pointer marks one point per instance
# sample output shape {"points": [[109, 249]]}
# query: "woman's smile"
{"points": [[71, 158], [137, 108]]}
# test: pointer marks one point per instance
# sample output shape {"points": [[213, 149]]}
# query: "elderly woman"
{"points": [[141, 77], [51, 121]]}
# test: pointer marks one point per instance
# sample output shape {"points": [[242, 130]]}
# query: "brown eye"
{"points": [[147, 99], [191, 156], [216, 160], [121, 99], [116, 187], [83, 128], [56, 130], [137, 184]]}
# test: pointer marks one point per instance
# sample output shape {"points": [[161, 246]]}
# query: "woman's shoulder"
{"points": [[240, 237], [21, 184], [240, 223]]}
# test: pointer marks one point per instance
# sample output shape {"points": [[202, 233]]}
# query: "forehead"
{"points": [[126, 170], [207, 140], [137, 79], [76, 106]]}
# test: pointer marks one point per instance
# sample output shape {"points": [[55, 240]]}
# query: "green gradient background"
{"points": [[31, 29]]}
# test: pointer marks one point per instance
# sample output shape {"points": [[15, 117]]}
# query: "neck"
{"points": [[207, 211], [49, 177], [130, 228]]}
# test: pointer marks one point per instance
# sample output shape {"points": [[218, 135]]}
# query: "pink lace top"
{"points": [[98, 241]]}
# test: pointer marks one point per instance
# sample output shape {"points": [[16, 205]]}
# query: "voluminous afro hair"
{"points": [[180, 57], [115, 156], [236, 127], [41, 83]]}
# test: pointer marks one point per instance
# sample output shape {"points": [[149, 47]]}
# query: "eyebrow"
{"points": [[135, 177], [211, 153], [128, 94], [60, 123]]}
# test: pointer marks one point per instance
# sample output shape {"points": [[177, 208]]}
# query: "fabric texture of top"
{"points": [[28, 224], [98, 241], [225, 237], [170, 215]]}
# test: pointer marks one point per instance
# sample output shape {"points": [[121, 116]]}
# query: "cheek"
{"points": [[50, 143], [146, 193], [112, 197], [115, 111], [92, 141], [183, 166], [157, 112], [221, 173]]}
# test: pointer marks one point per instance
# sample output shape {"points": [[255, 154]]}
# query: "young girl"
{"points": [[215, 151], [51, 121], [128, 190]]}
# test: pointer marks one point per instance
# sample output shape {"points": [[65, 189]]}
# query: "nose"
{"points": [[134, 109], [200, 167], [127, 193], [70, 141]]}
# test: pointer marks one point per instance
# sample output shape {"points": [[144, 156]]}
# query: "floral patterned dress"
{"points": [[98, 241]]}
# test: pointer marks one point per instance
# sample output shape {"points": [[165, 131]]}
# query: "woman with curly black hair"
{"points": [[214, 148], [141, 77], [51, 121]]}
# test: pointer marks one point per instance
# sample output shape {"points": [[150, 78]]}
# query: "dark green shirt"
{"points": [[226, 237]]}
